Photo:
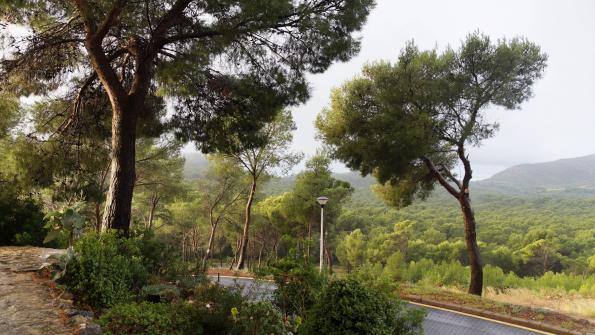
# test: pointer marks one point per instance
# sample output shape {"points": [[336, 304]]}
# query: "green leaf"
{"points": [[52, 235], [51, 215]]}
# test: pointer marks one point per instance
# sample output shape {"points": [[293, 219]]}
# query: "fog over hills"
{"points": [[195, 164], [571, 176], [560, 174]]}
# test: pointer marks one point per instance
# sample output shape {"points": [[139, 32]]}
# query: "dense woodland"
{"points": [[526, 235], [98, 99]]}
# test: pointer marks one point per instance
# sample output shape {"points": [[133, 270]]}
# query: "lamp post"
{"points": [[322, 201]]}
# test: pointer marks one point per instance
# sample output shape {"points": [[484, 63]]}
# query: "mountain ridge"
{"points": [[560, 174], [569, 176]]}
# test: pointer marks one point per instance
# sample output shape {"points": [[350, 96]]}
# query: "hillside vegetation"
{"points": [[563, 174], [514, 214], [525, 230]]}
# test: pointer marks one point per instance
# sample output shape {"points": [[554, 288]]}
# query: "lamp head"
{"points": [[322, 200]]}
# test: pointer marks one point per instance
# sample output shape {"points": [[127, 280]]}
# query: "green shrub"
{"points": [[346, 307], [149, 319], [416, 270], [298, 286], [159, 258], [259, 318], [160, 293], [105, 270], [21, 219], [212, 307], [376, 276]]}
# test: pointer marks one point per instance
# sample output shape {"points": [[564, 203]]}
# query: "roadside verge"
{"points": [[533, 325], [491, 316]]}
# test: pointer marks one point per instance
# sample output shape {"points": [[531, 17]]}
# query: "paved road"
{"points": [[437, 322]]}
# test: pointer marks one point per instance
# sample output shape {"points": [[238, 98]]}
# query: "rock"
{"points": [[90, 329], [87, 314], [70, 312], [79, 320], [66, 296]]}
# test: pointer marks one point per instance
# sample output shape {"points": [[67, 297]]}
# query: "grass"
{"points": [[562, 303]]}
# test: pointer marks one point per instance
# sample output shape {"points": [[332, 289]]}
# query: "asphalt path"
{"points": [[437, 322]]}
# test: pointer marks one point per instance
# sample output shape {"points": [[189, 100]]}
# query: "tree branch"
{"points": [[440, 178], [109, 20]]}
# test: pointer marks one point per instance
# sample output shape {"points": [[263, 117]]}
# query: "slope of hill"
{"points": [[565, 177], [571, 175]]}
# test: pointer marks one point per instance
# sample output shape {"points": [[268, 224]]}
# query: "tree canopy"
{"points": [[396, 117], [225, 66], [410, 123]]}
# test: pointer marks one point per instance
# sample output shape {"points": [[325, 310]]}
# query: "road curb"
{"points": [[511, 320], [544, 328]]}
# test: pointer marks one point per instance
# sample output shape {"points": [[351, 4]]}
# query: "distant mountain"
{"points": [[566, 177], [560, 175], [195, 165]]}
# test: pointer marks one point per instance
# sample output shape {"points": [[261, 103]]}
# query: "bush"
{"points": [[259, 318], [160, 293], [149, 319], [376, 276], [105, 270], [159, 258], [21, 219], [298, 286], [347, 307], [212, 308], [215, 311]]}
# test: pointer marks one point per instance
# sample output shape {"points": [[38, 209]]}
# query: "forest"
{"points": [[105, 106]]}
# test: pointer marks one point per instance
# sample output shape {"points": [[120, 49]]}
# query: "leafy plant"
{"points": [[160, 293], [21, 219], [298, 286], [105, 270], [259, 318], [68, 221], [149, 319], [212, 307], [347, 307]]}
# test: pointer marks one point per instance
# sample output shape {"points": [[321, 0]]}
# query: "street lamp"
{"points": [[322, 201]]}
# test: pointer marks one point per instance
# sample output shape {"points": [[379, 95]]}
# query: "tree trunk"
{"points": [[476, 281], [220, 255], [274, 249], [154, 202], [118, 204], [329, 259], [460, 190], [196, 241], [235, 254], [260, 253], [244, 245], [98, 216], [209, 246]]}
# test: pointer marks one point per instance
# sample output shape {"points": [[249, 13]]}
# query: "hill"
{"points": [[563, 174], [572, 177]]}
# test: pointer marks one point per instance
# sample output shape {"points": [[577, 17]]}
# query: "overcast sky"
{"points": [[558, 122]]}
